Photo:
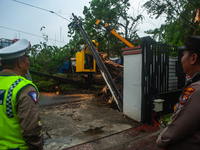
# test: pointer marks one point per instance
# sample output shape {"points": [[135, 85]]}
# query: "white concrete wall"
{"points": [[132, 96]]}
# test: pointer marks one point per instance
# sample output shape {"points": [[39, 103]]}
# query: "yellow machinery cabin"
{"points": [[81, 62]]}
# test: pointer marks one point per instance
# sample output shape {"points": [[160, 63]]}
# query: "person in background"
{"points": [[20, 125], [71, 52], [183, 132], [88, 55]]}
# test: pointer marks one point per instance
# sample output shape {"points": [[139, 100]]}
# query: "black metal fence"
{"points": [[162, 77]]}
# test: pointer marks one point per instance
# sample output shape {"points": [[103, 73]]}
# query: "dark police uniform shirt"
{"points": [[183, 132]]}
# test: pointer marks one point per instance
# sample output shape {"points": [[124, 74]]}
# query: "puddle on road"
{"points": [[94, 132]]}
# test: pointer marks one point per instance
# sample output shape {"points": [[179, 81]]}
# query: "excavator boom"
{"points": [[113, 32]]}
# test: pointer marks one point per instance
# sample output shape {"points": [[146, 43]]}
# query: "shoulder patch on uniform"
{"points": [[33, 95], [187, 92]]}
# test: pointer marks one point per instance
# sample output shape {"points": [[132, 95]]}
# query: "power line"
{"points": [[28, 33], [42, 9]]}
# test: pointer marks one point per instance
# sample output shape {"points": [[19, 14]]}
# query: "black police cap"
{"points": [[193, 43]]}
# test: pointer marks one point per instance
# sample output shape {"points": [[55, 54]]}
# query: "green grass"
{"points": [[167, 117]]}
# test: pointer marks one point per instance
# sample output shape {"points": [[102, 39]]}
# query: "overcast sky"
{"points": [[21, 21]]}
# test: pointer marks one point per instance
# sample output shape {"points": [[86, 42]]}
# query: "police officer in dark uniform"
{"points": [[20, 126], [183, 132]]}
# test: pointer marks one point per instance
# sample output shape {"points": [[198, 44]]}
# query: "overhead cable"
{"points": [[29, 33], [42, 9]]}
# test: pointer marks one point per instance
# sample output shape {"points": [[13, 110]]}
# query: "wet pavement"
{"points": [[139, 138], [79, 121]]}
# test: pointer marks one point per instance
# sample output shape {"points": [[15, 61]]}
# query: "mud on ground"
{"points": [[71, 119]]}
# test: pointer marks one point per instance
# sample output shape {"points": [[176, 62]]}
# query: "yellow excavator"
{"points": [[77, 23], [81, 56], [113, 32], [84, 60]]}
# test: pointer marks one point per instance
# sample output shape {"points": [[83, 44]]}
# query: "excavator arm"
{"points": [[113, 32]]}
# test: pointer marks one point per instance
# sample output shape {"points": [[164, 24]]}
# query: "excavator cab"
{"points": [[81, 65], [85, 61]]}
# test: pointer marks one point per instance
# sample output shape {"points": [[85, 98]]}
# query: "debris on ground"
{"points": [[116, 72], [98, 85]]}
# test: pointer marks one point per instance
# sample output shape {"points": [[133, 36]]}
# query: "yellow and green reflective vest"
{"points": [[10, 131]]}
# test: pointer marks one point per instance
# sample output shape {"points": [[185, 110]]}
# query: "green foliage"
{"points": [[44, 85], [179, 23], [167, 118], [164, 120], [67, 87], [48, 58], [36, 78], [61, 75], [113, 12], [95, 87]]}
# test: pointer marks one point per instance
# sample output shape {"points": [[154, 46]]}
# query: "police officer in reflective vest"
{"points": [[20, 127], [183, 132]]}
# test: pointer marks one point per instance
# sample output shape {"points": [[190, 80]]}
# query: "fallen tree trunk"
{"points": [[98, 79], [116, 72]]}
